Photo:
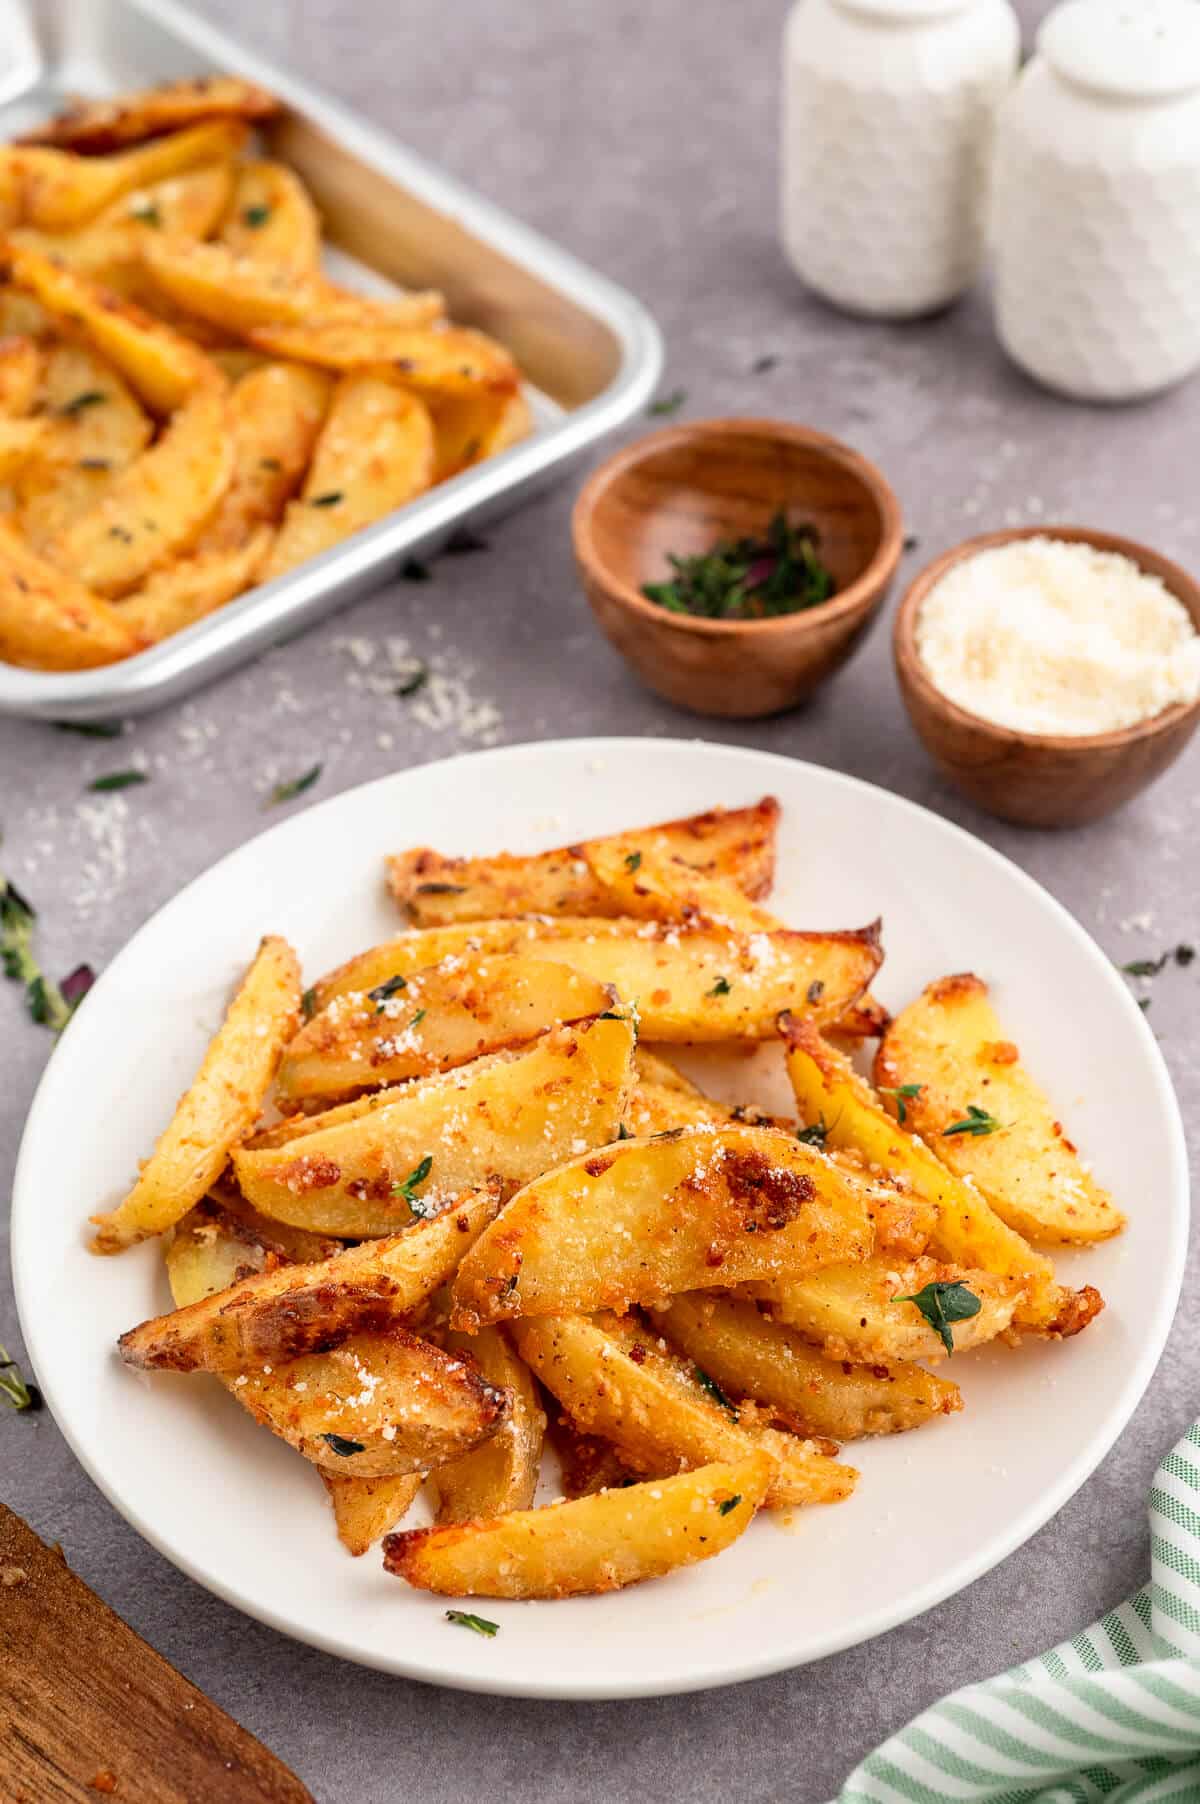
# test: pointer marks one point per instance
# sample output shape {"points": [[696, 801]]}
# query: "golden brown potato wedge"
{"points": [[21, 441], [433, 1021], [511, 1115], [737, 844], [21, 361], [50, 622], [185, 591], [592, 1545], [434, 360], [468, 428], [639, 1220], [618, 1380], [950, 1044], [860, 1312], [374, 453], [688, 984], [364, 1509], [751, 1356], [647, 883], [587, 1463], [275, 414], [501, 1475], [61, 192], [21, 316], [221, 1104], [272, 219], [91, 127], [280, 1313], [656, 1109], [109, 248], [96, 427]]}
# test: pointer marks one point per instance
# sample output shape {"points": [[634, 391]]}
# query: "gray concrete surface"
{"points": [[644, 138]]}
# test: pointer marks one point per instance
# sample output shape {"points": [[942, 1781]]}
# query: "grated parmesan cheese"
{"points": [[1044, 635]]}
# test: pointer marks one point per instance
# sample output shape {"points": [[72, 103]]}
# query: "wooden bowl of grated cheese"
{"points": [[1051, 672]]}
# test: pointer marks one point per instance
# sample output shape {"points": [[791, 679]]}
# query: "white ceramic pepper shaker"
{"points": [[888, 114], [1097, 201]]}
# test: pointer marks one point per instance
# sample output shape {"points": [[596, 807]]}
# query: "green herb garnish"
{"points": [[48, 1003], [90, 729], [903, 1094], [716, 1393], [118, 779], [255, 216], [976, 1122], [730, 1503], [329, 499], [406, 1187], [816, 1135], [762, 364], [816, 990], [412, 683], [20, 1393], [383, 992], [749, 578], [1145, 967], [146, 213], [482, 1625], [308, 1004], [418, 1018], [89, 397], [343, 1447], [633, 861], [287, 792], [944, 1304], [623, 1133], [720, 988], [667, 403]]}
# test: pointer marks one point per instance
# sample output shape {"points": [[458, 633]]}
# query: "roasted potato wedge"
{"points": [[433, 360], [185, 591], [737, 844], [21, 441], [275, 415], [95, 427], [374, 453], [501, 1475], [592, 1545], [220, 1106], [433, 1021], [647, 883], [364, 1509], [751, 1356], [950, 1043], [616, 1379], [511, 1115], [109, 248], [92, 127], [468, 428], [48, 621], [639, 1220], [861, 1313], [272, 220], [61, 192], [21, 362]]}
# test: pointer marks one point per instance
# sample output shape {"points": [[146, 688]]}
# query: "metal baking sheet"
{"points": [[590, 352]]}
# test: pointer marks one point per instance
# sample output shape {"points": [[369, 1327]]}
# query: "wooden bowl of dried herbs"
{"points": [[736, 563]]}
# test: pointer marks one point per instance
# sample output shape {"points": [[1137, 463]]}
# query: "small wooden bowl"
{"points": [[681, 489], [1041, 779]]}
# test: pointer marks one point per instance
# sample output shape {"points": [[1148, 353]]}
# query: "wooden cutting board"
{"points": [[89, 1711]]}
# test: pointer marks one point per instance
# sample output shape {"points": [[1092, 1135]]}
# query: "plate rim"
{"points": [[866, 1627]]}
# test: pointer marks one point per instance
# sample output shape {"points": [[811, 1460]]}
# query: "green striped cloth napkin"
{"points": [[1113, 1714]]}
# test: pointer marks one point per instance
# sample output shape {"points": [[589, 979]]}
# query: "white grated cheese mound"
{"points": [[1044, 635]]}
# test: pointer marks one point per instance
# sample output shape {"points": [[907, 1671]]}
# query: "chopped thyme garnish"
{"points": [[118, 779], [729, 1503], [411, 684], [720, 988], [47, 1002], [90, 729], [667, 403], [383, 992], [441, 889], [465, 540], [88, 397], [633, 861], [308, 1004], [20, 1393], [466, 1619], [269, 463], [976, 1122], [255, 216], [287, 792], [816, 990], [340, 1445], [762, 364], [903, 1094], [418, 1018], [748, 578], [816, 1135], [715, 1392], [1182, 954], [94, 463], [623, 1133], [329, 499], [944, 1304], [405, 1188], [146, 213]]}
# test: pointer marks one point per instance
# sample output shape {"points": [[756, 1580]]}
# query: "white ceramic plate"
{"points": [[240, 1513]]}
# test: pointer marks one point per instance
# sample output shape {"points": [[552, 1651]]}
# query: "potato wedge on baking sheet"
{"points": [[219, 1107], [374, 453], [987, 1117], [689, 985], [272, 219], [278, 1314], [510, 1115], [737, 844], [588, 1546], [501, 1475], [750, 1355], [91, 127], [615, 1379], [189, 588], [21, 441], [61, 192], [639, 1220], [468, 428], [95, 427], [863, 1313], [432, 1021], [365, 1509], [432, 359], [48, 621], [276, 412], [109, 248]]}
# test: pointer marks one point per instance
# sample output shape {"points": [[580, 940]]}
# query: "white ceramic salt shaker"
{"points": [[1096, 224], [888, 114]]}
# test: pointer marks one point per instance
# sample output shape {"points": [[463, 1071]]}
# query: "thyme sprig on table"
{"points": [[50, 1004], [748, 578]]}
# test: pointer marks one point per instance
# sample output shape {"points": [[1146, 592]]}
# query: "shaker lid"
{"points": [[1132, 48]]}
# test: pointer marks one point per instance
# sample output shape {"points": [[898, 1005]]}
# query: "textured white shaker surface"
{"points": [[1096, 223], [888, 116]]}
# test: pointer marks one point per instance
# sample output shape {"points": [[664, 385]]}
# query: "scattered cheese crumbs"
{"points": [[1046, 636]]}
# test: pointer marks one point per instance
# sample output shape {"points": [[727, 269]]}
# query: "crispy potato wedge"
{"points": [[737, 844], [185, 591], [20, 442], [511, 1115], [639, 1220], [364, 1509], [21, 360], [157, 506], [94, 126], [866, 1020], [273, 220], [689, 985], [281, 1313], [221, 1104], [275, 414], [950, 1043], [21, 316], [655, 1109], [589, 1546], [433, 1021], [751, 1356], [96, 427], [468, 428], [855, 1312], [109, 248], [618, 1380], [587, 1463], [501, 1475], [48, 621], [437, 360], [12, 198], [374, 453], [159, 363], [647, 883], [61, 192]]}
